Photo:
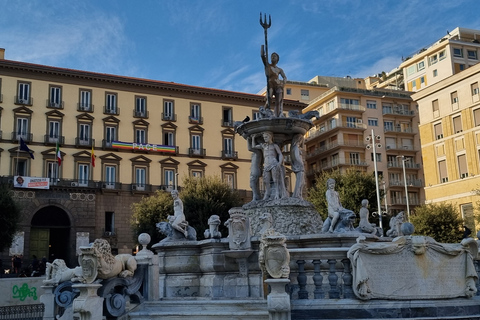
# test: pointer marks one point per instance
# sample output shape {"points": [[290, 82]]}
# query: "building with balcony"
{"points": [[342, 138], [144, 135], [450, 134]]}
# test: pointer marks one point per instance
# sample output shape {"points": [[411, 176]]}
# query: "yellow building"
{"points": [[342, 138], [456, 51], [450, 134], [144, 135]]}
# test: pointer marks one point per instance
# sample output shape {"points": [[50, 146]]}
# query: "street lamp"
{"points": [[373, 139], [405, 183], [176, 181]]}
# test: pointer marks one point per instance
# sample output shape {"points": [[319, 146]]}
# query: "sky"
{"points": [[216, 43]]}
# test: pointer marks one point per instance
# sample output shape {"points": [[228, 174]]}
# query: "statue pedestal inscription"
{"points": [[413, 267]]}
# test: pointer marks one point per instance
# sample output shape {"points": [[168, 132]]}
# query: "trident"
{"points": [[265, 26]]}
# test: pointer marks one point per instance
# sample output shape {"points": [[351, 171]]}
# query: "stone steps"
{"points": [[201, 310]]}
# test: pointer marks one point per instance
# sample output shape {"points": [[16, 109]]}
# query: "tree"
{"points": [[202, 197], [206, 196], [352, 186], [9, 217], [148, 212], [441, 221]]}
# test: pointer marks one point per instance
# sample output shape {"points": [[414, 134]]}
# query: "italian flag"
{"points": [[93, 157], [59, 155]]}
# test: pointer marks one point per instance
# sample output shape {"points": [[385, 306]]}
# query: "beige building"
{"points": [[450, 134], [144, 135], [456, 51], [342, 138]]}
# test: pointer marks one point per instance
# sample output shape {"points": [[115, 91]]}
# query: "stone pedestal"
{"points": [[278, 301], [48, 300], [89, 305]]}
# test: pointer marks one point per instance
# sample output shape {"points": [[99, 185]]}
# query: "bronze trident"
{"points": [[265, 26]]}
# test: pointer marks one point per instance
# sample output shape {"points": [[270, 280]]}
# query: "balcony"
{"points": [[47, 139], [195, 120], [28, 101], [55, 105], [398, 110], [410, 183], [334, 145], [227, 123], [169, 117], [27, 137], [111, 185], [350, 107], [106, 144], [140, 187], [84, 142], [397, 129], [403, 202], [398, 164], [111, 110], [341, 125], [140, 114], [229, 155], [84, 107], [194, 152]]}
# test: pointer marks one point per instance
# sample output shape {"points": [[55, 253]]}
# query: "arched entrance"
{"points": [[50, 234]]}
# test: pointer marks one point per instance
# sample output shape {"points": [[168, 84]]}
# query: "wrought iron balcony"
{"points": [[27, 137], [229, 155], [111, 110], [85, 107], [169, 117], [47, 139], [56, 105], [140, 114], [84, 142], [196, 152], [26, 101], [195, 120]]}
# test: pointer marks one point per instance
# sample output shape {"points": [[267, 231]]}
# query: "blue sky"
{"points": [[216, 43]]}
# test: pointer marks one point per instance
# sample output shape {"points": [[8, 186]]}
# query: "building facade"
{"points": [[355, 122], [450, 134], [119, 138]]}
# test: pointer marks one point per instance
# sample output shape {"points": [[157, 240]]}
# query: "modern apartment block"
{"points": [[458, 50], [342, 138], [143, 135], [450, 134]]}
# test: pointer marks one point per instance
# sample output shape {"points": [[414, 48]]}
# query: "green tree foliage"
{"points": [[148, 212], [9, 217], [206, 196], [352, 186], [439, 221]]}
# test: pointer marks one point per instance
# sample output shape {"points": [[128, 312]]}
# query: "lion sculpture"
{"points": [[175, 235], [57, 272], [109, 266]]}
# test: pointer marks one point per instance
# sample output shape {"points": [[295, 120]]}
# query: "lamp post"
{"points": [[176, 181], [405, 183], [373, 138]]}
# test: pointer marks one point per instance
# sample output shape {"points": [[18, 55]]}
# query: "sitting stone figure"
{"points": [[109, 266], [336, 212], [396, 226], [365, 226], [57, 272], [212, 231], [175, 235]]}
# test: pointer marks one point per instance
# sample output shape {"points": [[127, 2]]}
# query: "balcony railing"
{"points": [[327, 128], [398, 164], [402, 148], [194, 152], [410, 183], [403, 202], [140, 114], [56, 105], [400, 130], [169, 117], [111, 185], [27, 137], [352, 107], [85, 107], [141, 187], [398, 110], [47, 139], [227, 123], [195, 120], [229, 154], [84, 142], [24, 101], [111, 110]]}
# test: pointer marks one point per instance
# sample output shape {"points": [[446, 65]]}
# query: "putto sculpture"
{"points": [[336, 212]]}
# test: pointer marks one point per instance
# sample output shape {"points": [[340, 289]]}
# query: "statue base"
{"points": [[291, 216]]}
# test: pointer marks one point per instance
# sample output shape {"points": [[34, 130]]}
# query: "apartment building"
{"points": [[342, 138], [120, 139], [450, 134], [458, 50]]}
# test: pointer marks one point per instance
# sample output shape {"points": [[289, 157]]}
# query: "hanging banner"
{"points": [[143, 147], [31, 182]]}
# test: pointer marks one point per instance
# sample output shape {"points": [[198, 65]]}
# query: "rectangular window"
{"points": [[229, 179], [55, 97], [227, 117], [435, 108], [377, 155], [354, 158], [140, 136], [462, 166], [474, 88], [438, 130], [256, 115], [24, 93], [110, 176], [195, 112], [458, 52], [84, 134], [168, 138], [305, 94], [140, 176], [421, 65], [228, 146], [454, 97], [433, 59], [472, 54], [387, 108], [289, 91], [169, 177], [196, 174], [52, 172], [140, 107], [22, 128], [373, 122], [351, 122], [476, 117], [371, 104], [109, 223], [411, 70], [53, 131], [388, 126], [20, 167], [442, 168], [111, 106], [442, 55], [435, 72], [83, 176], [457, 124], [85, 100], [168, 110], [461, 67], [196, 144], [110, 135]]}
